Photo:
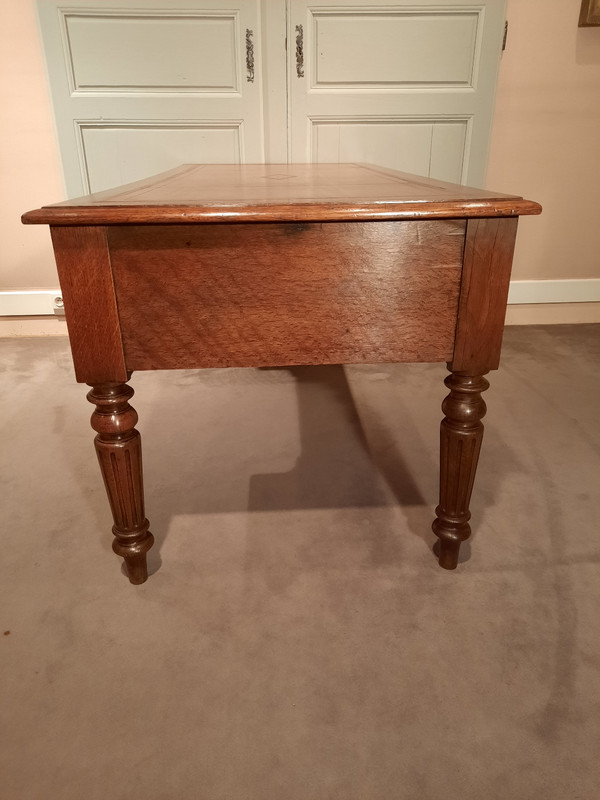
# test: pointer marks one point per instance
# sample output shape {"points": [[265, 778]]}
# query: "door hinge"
{"points": [[505, 35]]}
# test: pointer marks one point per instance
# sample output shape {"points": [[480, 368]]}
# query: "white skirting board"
{"points": [[577, 290], [29, 302], [41, 302]]}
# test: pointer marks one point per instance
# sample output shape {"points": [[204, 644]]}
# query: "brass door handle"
{"points": [[299, 51], [249, 56]]}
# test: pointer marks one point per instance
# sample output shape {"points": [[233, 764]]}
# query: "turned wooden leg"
{"points": [[119, 450], [460, 442]]}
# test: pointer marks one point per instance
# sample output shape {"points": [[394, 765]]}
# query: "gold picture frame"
{"points": [[589, 14]]}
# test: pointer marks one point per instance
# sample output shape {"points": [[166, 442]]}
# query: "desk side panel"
{"points": [[84, 271], [282, 294]]}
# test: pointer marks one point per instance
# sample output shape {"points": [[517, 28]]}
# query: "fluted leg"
{"points": [[460, 442], [119, 450]]}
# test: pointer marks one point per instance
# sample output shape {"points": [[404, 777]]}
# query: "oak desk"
{"points": [[249, 266]]}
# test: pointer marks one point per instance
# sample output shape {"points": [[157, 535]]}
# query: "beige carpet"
{"points": [[297, 639]]}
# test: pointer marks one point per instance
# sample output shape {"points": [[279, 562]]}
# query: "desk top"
{"points": [[196, 193]]}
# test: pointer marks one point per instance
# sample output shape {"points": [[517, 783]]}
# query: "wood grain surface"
{"points": [[119, 450], [84, 271], [280, 193], [280, 294], [461, 434], [489, 247]]}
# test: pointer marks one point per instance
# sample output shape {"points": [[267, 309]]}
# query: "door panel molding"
{"points": [[412, 48], [88, 34], [101, 147], [432, 144]]}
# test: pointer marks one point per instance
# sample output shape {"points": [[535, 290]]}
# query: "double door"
{"points": [[140, 86]]}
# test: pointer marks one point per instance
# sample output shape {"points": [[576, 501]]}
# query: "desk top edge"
{"points": [[194, 193]]}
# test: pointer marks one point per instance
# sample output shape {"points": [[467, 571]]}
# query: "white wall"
{"points": [[546, 134], [30, 173]]}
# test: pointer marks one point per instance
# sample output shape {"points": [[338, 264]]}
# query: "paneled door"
{"points": [[140, 86], [404, 85]]}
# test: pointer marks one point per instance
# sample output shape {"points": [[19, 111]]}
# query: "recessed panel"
{"points": [[383, 49], [149, 52], [430, 147], [224, 295], [114, 154]]}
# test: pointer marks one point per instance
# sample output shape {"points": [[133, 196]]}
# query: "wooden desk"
{"points": [[248, 266]]}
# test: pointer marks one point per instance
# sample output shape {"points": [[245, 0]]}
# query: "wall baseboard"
{"points": [[576, 290], [31, 312], [537, 314], [39, 302], [28, 302]]}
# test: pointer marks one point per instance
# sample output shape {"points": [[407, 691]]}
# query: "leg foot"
{"points": [[460, 442], [119, 450], [448, 552], [137, 568]]}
